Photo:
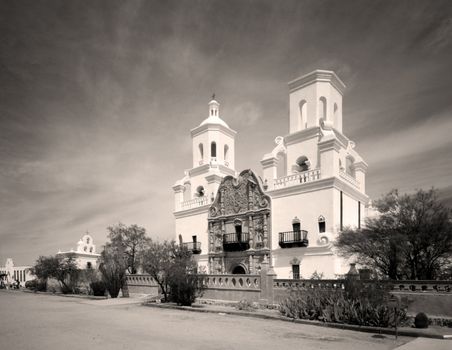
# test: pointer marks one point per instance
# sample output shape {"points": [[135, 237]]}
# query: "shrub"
{"points": [[99, 288], [340, 307], [36, 285], [246, 305], [421, 320]]}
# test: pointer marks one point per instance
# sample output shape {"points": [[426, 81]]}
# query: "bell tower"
{"points": [[213, 153]]}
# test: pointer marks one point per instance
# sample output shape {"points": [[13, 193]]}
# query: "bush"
{"points": [[340, 307], [421, 320], [246, 305], [36, 285], [98, 287], [185, 287]]}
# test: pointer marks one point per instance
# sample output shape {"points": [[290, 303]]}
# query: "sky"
{"points": [[97, 99]]}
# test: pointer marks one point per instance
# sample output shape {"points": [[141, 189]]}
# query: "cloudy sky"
{"points": [[97, 99]]}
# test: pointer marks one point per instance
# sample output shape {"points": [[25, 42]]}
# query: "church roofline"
{"points": [[203, 127], [317, 75]]}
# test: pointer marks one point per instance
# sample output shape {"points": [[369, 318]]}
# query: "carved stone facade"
{"points": [[239, 226]]}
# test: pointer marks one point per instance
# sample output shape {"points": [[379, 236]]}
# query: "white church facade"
{"points": [[85, 254], [312, 186]]}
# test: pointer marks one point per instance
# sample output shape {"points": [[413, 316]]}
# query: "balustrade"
{"points": [[194, 203], [297, 179], [232, 282]]}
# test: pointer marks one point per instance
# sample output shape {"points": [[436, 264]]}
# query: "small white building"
{"points": [[85, 254], [312, 186], [11, 273]]}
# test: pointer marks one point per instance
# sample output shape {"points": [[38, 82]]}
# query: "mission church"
{"points": [[312, 185]]}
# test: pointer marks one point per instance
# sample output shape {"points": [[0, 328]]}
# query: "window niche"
{"points": [[213, 149], [322, 224]]}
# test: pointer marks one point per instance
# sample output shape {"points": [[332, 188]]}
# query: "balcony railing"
{"points": [[195, 247], [296, 179], [293, 239], [236, 241], [194, 203]]}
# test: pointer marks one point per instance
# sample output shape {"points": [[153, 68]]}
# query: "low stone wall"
{"points": [[232, 287], [142, 284]]}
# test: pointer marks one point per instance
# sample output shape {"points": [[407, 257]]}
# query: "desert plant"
{"points": [[339, 307], [421, 320], [98, 288], [246, 305]]}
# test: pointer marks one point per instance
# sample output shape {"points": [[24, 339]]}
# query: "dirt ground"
{"points": [[37, 321]]}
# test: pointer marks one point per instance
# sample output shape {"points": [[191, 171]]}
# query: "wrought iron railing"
{"points": [[195, 247], [236, 241], [293, 239]]}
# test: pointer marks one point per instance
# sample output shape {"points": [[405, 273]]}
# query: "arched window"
{"points": [[226, 152], [350, 166], [213, 149], [303, 163], [91, 249], [322, 224], [302, 120], [89, 265], [200, 191], [201, 151], [322, 108]]}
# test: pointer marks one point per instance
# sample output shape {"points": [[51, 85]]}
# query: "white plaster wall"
{"points": [[321, 263], [306, 148], [307, 207], [194, 225]]}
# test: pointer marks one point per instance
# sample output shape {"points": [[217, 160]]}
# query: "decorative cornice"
{"points": [[178, 188], [212, 178], [328, 145], [212, 127], [193, 211], [317, 76], [269, 162], [302, 135], [361, 166], [199, 170], [330, 182]]}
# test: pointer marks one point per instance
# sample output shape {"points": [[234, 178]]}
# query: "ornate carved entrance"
{"points": [[239, 225]]}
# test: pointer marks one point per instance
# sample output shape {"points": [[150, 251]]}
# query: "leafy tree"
{"points": [[133, 239], [113, 267], [172, 267], [157, 260], [411, 237], [63, 268], [184, 281]]}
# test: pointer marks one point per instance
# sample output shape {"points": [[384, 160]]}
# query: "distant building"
{"points": [[312, 186], [10, 273], [85, 254]]}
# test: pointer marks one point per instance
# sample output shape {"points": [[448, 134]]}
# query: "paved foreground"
{"points": [[37, 321]]}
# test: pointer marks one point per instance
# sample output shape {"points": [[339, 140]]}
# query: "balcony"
{"points": [[297, 179], [293, 239], [233, 242], [195, 247]]}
